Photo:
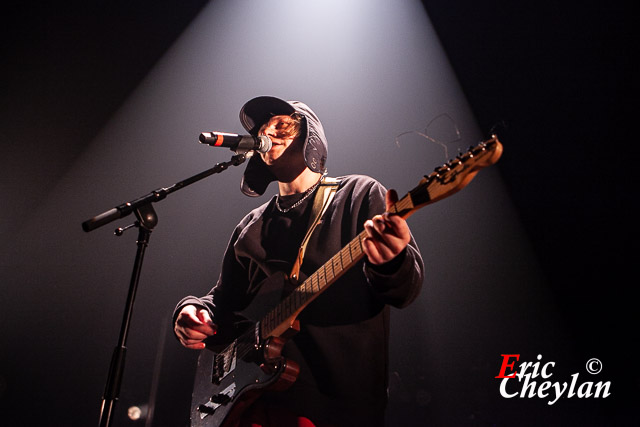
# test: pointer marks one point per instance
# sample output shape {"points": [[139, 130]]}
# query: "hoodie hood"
{"points": [[257, 112]]}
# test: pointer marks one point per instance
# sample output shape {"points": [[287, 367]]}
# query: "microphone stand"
{"points": [[146, 221]]}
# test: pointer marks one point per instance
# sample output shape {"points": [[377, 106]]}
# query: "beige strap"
{"points": [[322, 200]]}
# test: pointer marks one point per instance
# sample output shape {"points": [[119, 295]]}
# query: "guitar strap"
{"points": [[322, 200]]}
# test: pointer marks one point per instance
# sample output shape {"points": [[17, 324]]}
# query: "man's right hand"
{"points": [[193, 325]]}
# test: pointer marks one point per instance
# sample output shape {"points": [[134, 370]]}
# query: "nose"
{"points": [[271, 133], [274, 132]]}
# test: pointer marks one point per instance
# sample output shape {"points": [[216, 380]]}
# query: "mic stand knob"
{"points": [[120, 230]]}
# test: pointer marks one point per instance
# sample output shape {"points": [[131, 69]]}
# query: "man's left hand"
{"points": [[388, 234]]}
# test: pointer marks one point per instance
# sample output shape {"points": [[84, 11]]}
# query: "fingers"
{"points": [[387, 234], [207, 323], [387, 237], [196, 318], [390, 199], [193, 325], [193, 344]]}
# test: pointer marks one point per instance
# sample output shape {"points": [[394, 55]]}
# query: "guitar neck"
{"points": [[278, 319], [442, 182]]}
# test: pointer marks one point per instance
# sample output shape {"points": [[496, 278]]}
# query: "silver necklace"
{"points": [[307, 193]]}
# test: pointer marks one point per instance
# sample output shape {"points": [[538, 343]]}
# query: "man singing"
{"points": [[342, 345]]}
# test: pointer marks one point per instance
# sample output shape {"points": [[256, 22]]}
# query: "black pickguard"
{"points": [[229, 381]]}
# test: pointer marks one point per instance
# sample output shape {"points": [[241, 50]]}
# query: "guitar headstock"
{"points": [[451, 177]]}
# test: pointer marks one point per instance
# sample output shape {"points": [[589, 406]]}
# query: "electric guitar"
{"points": [[229, 381]]}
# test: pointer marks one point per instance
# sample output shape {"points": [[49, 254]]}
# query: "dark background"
{"points": [[557, 77], [553, 79]]}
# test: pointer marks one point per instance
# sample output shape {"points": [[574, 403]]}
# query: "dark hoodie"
{"points": [[342, 347]]}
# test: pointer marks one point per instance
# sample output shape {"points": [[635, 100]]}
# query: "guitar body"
{"points": [[230, 381]]}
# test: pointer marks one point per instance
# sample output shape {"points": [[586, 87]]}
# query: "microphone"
{"points": [[235, 142]]}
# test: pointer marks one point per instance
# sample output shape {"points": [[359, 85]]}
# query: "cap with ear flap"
{"points": [[257, 112]]}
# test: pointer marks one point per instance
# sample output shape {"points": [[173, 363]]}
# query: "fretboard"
{"points": [[278, 319], [442, 182]]}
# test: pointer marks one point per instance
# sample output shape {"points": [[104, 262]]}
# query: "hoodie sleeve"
{"points": [[399, 281], [226, 297]]}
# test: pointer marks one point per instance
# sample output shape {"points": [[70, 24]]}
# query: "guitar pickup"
{"points": [[223, 364]]}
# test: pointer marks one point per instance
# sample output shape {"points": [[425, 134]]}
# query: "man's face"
{"points": [[285, 146]]}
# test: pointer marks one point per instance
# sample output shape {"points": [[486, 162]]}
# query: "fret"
{"points": [[298, 296], [361, 238], [337, 264], [354, 247], [278, 316], [321, 278], [292, 306], [308, 285], [302, 295], [329, 273], [295, 299], [346, 255], [311, 285]]}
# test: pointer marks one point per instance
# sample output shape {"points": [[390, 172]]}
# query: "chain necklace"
{"points": [[307, 193]]}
